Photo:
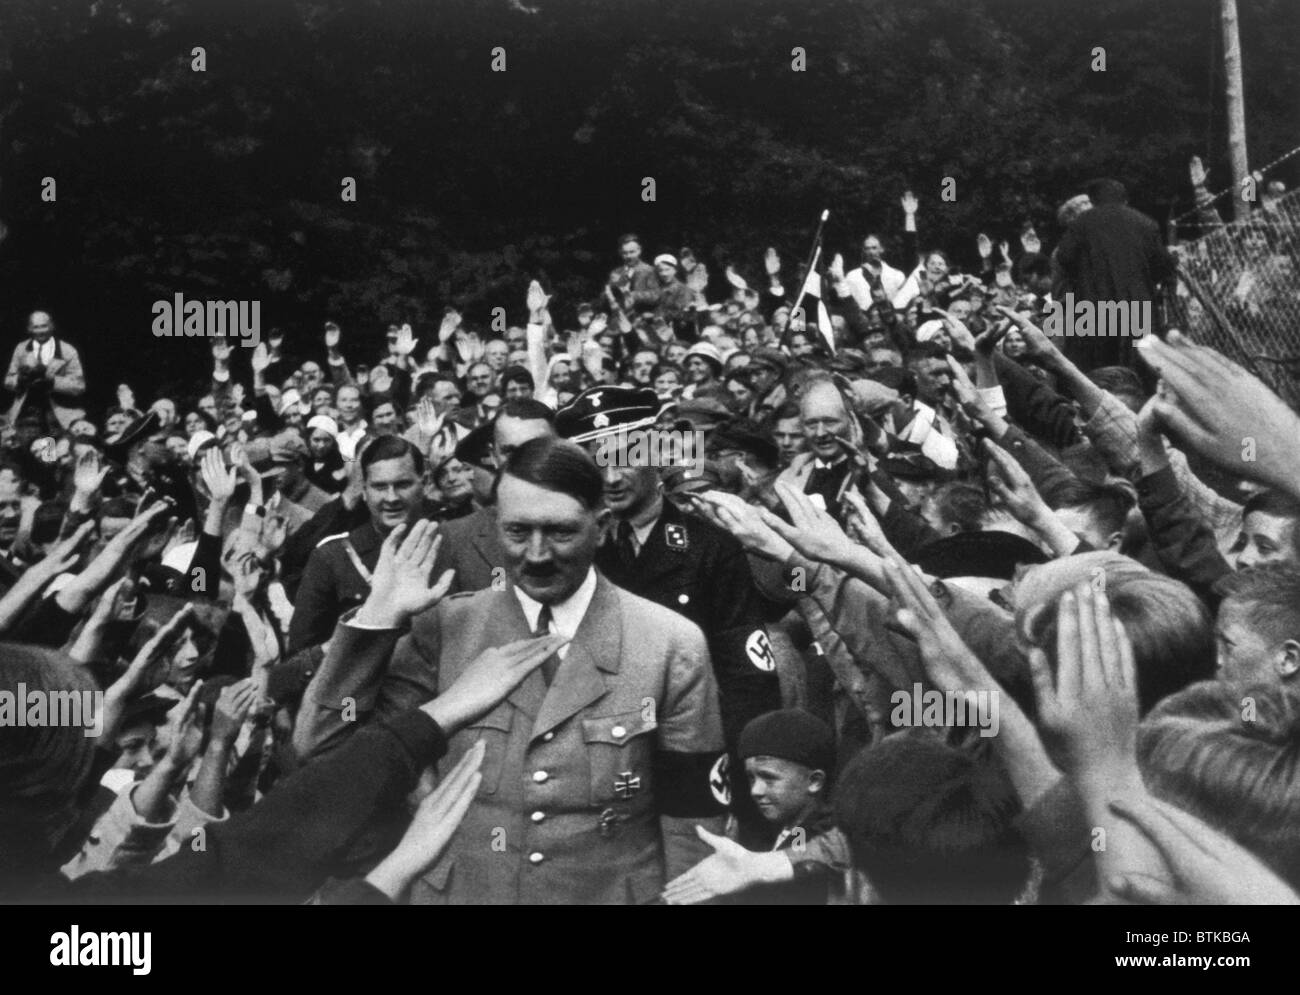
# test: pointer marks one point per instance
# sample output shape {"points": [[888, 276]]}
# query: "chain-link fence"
{"points": [[1239, 290]]}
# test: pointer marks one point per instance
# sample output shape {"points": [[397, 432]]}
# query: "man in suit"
{"points": [[45, 375], [1111, 253], [337, 575], [600, 766], [634, 287], [825, 470], [470, 546]]}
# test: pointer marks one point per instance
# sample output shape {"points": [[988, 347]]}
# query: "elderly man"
{"points": [[603, 763], [45, 376], [825, 469]]}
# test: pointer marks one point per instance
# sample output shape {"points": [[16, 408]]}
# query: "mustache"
{"points": [[540, 570]]}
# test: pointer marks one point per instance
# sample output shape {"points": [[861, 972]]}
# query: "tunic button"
{"points": [[683, 598], [539, 816], [535, 858], [618, 732], [540, 775], [547, 737]]}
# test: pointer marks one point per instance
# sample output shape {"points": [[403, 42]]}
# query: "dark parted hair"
{"points": [[387, 447], [525, 409], [1278, 504], [1201, 751], [963, 505], [379, 401], [517, 374], [1110, 501], [1273, 503], [46, 771], [1269, 596], [556, 465], [1107, 191], [922, 351], [427, 381], [787, 411], [1120, 381], [932, 823]]}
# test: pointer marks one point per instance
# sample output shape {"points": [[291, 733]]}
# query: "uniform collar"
{"points": [[366, 537]]}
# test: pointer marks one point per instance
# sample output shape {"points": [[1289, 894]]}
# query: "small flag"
{"points": [[811, 296]]}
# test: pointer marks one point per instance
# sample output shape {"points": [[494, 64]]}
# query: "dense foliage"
{"points": [[226, 183]]}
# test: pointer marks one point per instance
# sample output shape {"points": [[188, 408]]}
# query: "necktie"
{"points": [[623, 543], [552, 663]]}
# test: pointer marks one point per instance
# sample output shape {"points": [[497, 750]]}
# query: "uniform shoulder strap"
{"points": [[340, 535], [355, 557]]}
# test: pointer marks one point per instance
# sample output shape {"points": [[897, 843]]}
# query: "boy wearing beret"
{"points": [[788, 756]]}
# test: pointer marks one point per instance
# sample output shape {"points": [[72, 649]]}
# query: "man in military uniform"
{"points": [[676, 560], [337, 575], [601, 765]]}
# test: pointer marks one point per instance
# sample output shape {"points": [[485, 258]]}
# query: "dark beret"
{"points": [[789, 734]]}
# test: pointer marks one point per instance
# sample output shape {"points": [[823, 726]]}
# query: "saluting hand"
{"points": [[484, 683], [400, 586]]}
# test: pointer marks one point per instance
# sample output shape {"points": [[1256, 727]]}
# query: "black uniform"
{"points": [[699, 571], [332, 584]]}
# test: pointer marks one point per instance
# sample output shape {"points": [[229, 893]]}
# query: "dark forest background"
{"points": [[226, 183]]}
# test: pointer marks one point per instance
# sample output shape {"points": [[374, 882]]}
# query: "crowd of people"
{"points": [[846, 587]]}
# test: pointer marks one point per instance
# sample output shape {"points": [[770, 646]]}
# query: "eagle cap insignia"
{"points": [[595, 400], [675, 537]]}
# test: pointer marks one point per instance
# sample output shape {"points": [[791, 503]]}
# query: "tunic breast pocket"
{"points": [[494, 730], [621, 751]]}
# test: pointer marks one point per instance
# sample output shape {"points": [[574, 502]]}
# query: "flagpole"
{"points": [[803, 284], [813, 256]]}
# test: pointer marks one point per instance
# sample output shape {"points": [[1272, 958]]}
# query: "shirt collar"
{"points": [[819, 464], [641, 533], [566, 615], [641, 530]]}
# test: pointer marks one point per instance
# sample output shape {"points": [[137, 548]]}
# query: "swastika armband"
{"points": [[758, 650], [691, 785]]}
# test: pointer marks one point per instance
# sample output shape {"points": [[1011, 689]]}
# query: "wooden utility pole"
{"points": [[1236, 107]]}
